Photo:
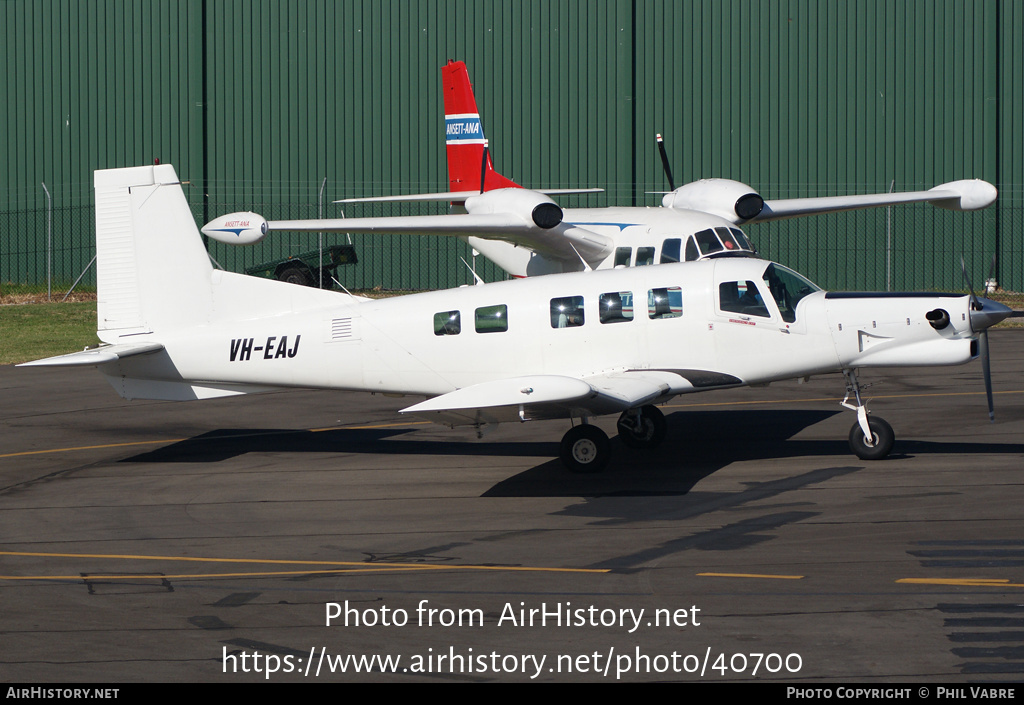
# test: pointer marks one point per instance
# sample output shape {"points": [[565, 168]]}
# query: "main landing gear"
{"points": [[586, 448], [871, 438]]}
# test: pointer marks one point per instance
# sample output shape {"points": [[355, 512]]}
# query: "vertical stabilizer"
{"points": [[152, 270], [464, 135]]}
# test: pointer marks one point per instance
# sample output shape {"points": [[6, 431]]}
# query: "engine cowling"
{"points": [[735, 201], [532, 206]]}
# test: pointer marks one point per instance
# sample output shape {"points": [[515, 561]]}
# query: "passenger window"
{"points": [[665, 303], [616, 306], [622, 256], [670, 250], [492, 319], [567, 312], [742, 297], [644, 256], [447, 323]]}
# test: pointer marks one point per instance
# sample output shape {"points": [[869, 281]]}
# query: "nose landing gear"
{"points": [[871, 438]]}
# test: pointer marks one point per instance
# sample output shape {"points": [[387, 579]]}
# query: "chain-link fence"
{"points": [[44, 252]]}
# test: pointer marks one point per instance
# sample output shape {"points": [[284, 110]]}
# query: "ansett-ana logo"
{"points": [[463, 129]]}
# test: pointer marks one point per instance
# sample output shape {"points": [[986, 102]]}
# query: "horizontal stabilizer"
{"points": [[96, 356]]}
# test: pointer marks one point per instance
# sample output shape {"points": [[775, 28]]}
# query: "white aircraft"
{"points": [[526, 233], [572, 346]]}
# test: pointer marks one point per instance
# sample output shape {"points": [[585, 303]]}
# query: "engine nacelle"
{"points": [[736, 202], [532, 206], [237, 228]]}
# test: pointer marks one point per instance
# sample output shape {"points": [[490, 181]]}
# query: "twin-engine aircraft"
{"points": [[526, 233], [570, 346]]}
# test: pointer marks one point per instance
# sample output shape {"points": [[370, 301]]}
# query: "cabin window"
{"points": [[622, 256], [492, 319], [665, 303], [644, 256], [670, 250], [567, 312], [616, 306], [447, 323], [742, 297]]}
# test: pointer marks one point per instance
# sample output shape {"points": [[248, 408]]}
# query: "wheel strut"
{"points": [[871, 438]]}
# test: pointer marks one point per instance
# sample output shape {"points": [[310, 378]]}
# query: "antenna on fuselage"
{"points": [[476, 276]]}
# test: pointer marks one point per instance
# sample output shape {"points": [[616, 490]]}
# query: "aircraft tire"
{"points": [[653, 429], [883, 436], [585, 449], [296, 275]]}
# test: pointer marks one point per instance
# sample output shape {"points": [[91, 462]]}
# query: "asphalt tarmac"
{"points": [[213, 541]]}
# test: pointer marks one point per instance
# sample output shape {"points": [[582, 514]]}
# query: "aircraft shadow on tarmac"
{"points": [[698, 444]]}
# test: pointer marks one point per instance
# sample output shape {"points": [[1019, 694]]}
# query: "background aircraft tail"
{"points": [[464, 135]]}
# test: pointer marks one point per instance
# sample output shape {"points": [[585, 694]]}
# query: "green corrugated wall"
{"points": [[257, 101]]}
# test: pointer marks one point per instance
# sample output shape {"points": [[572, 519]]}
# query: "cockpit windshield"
{"points": [[787, 289], [718, 242]]}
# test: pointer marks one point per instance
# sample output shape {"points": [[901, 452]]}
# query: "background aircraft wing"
{"points": [[562, 241], [969, 194]]}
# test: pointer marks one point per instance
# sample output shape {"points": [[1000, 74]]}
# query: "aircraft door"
{"points": [[745, 323]]}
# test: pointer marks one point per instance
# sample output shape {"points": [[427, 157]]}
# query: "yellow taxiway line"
{"points": [[750, 575], [349, 567]]}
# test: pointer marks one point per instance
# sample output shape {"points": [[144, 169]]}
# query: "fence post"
{"points": [[320, 215], [888, 241], [49, 240]]}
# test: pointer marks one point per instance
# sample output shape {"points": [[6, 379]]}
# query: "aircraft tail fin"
{"points": [[152, 270], [464, 135]]}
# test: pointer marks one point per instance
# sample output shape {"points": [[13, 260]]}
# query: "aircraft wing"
{"points": [[515, 215], [562, 240], [457, 195], [96, 356], [969, 194], [552, 396]]}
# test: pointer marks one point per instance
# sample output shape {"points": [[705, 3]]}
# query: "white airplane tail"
{"points": [[152, 269]]}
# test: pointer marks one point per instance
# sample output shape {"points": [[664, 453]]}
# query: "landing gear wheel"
{"points": [[296, 275], [882, 437], [584, 449], [644, 428]]}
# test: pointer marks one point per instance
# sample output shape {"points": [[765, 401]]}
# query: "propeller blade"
{"points": [[483, 171], [987, 372], [664, 161], [975, 304], [985, 313]]}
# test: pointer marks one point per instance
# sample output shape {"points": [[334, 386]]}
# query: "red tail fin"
{"points": [[464, 135]]}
